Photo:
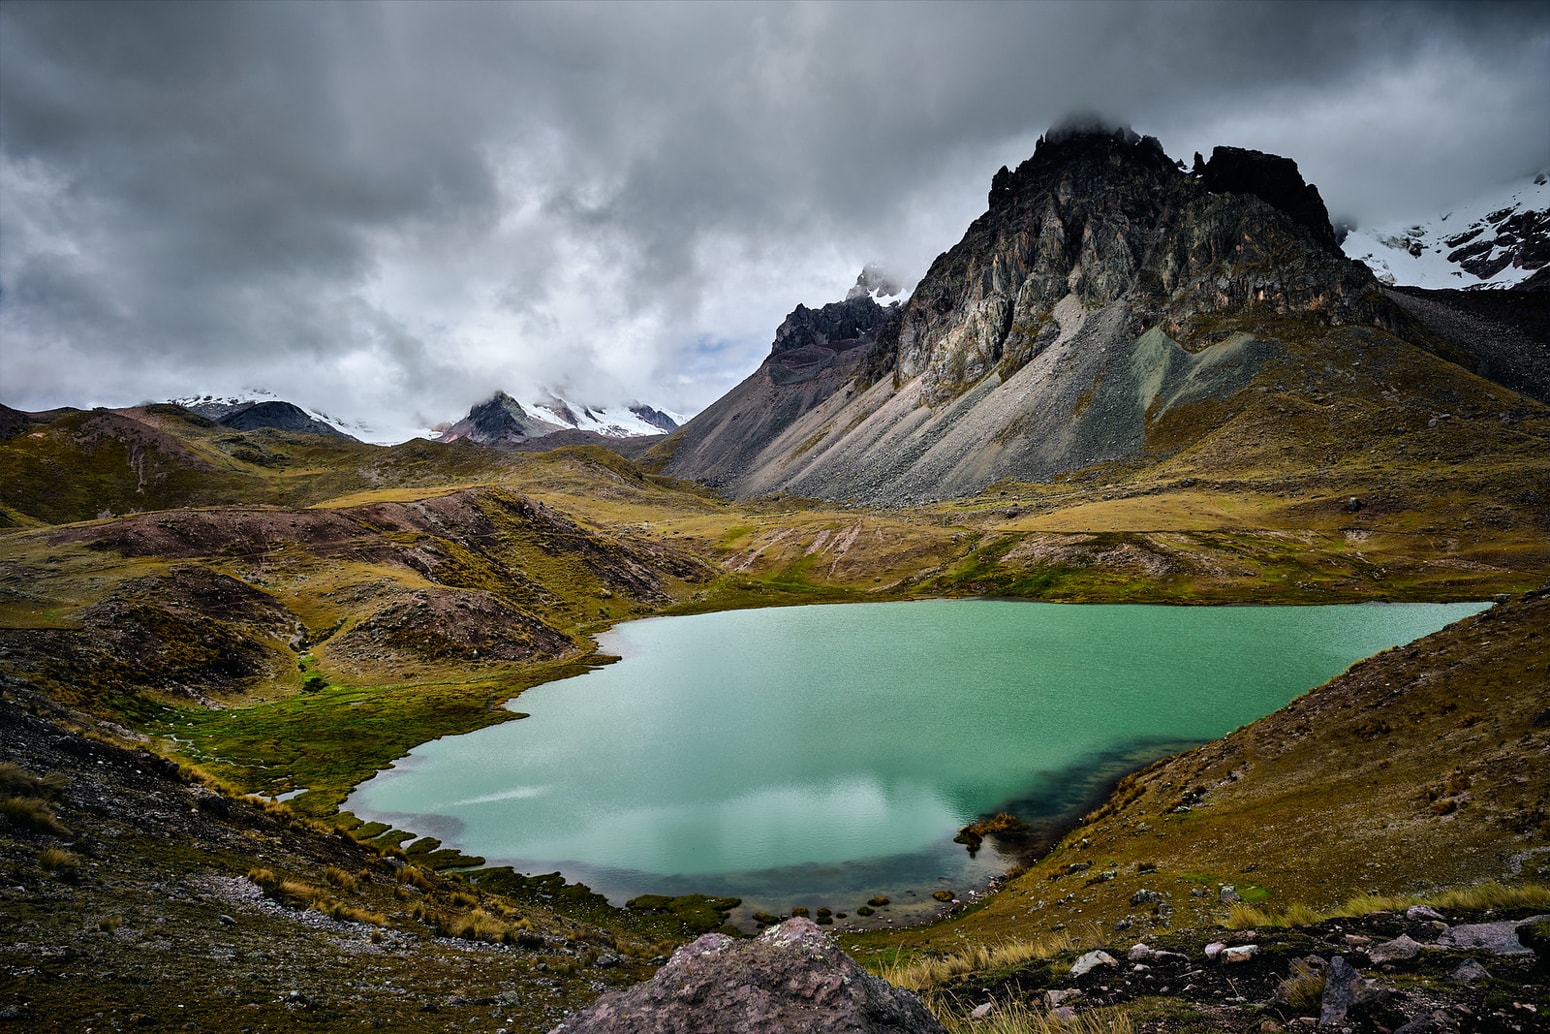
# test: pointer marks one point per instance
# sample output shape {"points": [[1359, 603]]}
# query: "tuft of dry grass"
{"points": [[413, 876], [1303, 988], [1491, 894], [16, 781], [925, 973], [479, 925], [339, 878], [1488, 895], [1016, 1018], [32, 813], [56, 859], [303, 895]]}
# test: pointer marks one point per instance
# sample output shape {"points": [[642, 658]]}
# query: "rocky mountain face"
{"points": [[498, 420], [1104, 289], [280, 416], [817, 356]]}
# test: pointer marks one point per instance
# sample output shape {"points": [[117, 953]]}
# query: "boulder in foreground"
{"points": [[791, 979]]}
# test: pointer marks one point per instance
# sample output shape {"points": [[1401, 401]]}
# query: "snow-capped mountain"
{"points": [[1498, 240], [611, 422], [501, 419], [265, 410]]}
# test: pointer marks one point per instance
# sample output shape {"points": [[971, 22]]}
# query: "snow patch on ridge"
{"points": [[1428, 253]]}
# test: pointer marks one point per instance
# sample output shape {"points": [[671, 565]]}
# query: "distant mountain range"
{"points": [[1499, 239], [254, 414], [503, 421], [499, 420]]}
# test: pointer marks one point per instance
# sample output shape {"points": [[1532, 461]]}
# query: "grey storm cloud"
{"points": [[391, 209]]}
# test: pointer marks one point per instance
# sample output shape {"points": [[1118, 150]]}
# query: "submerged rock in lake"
{"points": [[790, 979]]}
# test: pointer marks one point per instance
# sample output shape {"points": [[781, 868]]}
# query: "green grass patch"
{"points": [[332, 739]]}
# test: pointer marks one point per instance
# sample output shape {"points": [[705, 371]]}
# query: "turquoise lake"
{"points": [[820, 755]]}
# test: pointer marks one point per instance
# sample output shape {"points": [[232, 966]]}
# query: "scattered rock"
{"points": [[1419, 912], [226, 920], [1139, 952], [1056, 998], [1214, 949], [1353, 504], [1535, 935], [1346, 991], [1091, 961], [791, 978], [1400, 949], [1240, 953], [1469, 972], [1499, 938], [1228, 895], [979, 1012], [1145, 897], [1338, 984]]}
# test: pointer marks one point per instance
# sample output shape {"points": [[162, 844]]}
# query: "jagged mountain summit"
{"points": [[503, 421], [1110, 307], [1498, 240]]}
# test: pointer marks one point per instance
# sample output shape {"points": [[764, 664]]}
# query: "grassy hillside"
{"points": [[287, 613]]}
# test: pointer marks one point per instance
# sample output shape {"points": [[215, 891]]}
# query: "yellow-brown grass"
{"points": [[923, 973], [1489, 895]]}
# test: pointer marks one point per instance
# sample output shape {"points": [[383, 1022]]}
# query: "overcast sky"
{"points": [[388, 211]]}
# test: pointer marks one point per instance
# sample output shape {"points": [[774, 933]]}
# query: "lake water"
{"points": [[820, 755]]}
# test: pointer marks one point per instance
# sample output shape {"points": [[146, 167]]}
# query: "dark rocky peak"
{"points": [[1272, 179], [854, 319], [499, 406], [1076, 143], [500, 419], [279, 416], [1102, 217]]}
